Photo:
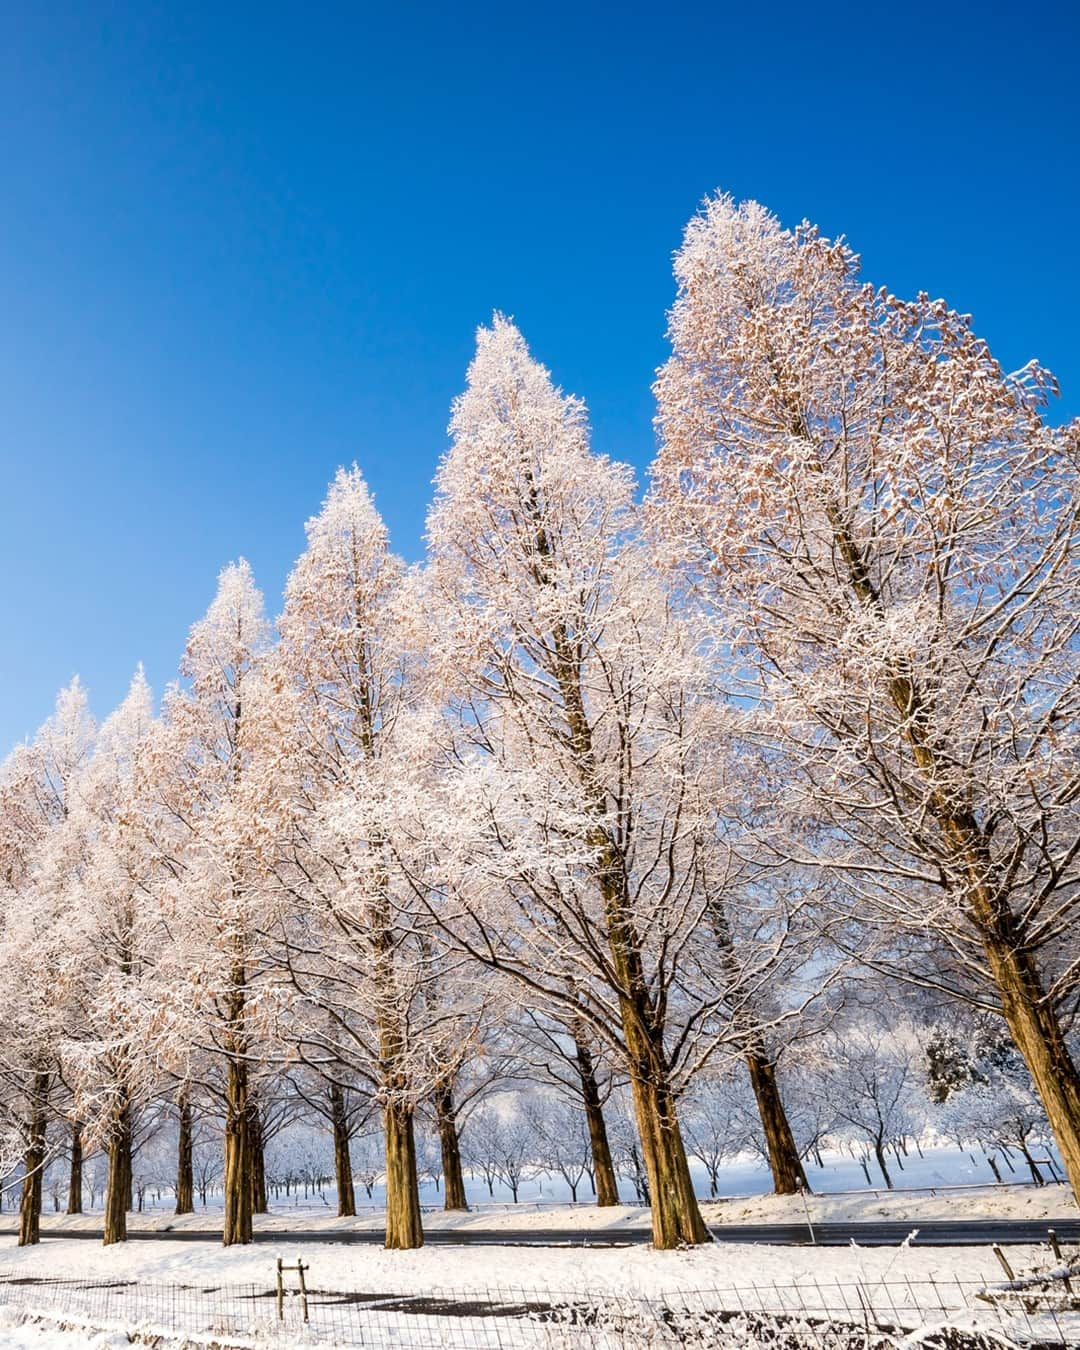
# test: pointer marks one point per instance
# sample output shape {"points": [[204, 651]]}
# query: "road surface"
{"points": [[890, 1233]]}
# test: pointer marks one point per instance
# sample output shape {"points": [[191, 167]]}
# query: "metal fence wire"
{"points": [[886, 1315]]}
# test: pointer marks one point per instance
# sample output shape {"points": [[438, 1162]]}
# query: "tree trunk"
{"points": [[879, 1154], [784, 1161], [403, 1227], [257, 1157], [1036, 1175], [1036, 1032], [118, 1186], [237, 1181], [30, 1200], [604, 1181], [450, 1146], [74, 1200], [676, 1218], [346, 1196], [185, 1179], [641, 1181]]}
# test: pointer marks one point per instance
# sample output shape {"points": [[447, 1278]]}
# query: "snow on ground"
{"points": [[16, 1334], [623, 1270], [979, 1202], [938, 1182]]}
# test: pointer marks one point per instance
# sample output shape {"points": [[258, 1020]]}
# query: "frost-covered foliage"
{"points": [[885, 528]]}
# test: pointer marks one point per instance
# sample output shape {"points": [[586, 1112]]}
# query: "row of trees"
{"points": [[651, 780], [873, 1089]]}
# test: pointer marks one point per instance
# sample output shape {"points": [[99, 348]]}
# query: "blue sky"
{"points": [[242, 244]]}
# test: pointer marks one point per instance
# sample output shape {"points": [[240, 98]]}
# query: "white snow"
{"points": [[16, 1334], [976, 1202], [908, 1276], [948, 1202], [637, 1270], [632, 1269]]}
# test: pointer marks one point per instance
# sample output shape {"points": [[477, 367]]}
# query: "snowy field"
{"points": [[428, 1298], [17, 1335], [623, 1269], [910, 1275]]}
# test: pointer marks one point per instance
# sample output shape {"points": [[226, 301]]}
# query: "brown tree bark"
{"points": [[346, 1194], [237, 1181], [785, 1164], [118, 1186], [1036, 1175], [34, 1163], [879, 1154], [676, 1218], [74, 1200], [1036, 1032], [404, 1229], [607, 1186], [403, 1226], [185, 1172], [454, 1197], [257, 1156]]}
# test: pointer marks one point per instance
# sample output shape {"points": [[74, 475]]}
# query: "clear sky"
{"points": [[242, 244]]}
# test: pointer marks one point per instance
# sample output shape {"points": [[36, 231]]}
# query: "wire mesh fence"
{"points": [[885, 1315]]}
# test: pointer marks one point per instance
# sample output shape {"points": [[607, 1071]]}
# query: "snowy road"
{"points": [[932, 1232]]}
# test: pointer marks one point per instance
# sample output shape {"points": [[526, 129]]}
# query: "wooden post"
{"points": [[1004, 1263], [281, 1271], [300, 1267], [1055, 1247]]}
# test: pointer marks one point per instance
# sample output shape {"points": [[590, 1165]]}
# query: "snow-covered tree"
{"points": [[886, 528], [562, 1145], [872, 1077], [352, 765], [41, 858], [716, 1125], [567, 1057], [501, 1143], [583, 727], [333, 1094], [115, 931], [217, 996]]}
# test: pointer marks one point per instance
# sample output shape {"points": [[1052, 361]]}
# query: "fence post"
{"points": [[1055, 1247], [300, 1267], [280, 1292], [1004, 1263]]}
